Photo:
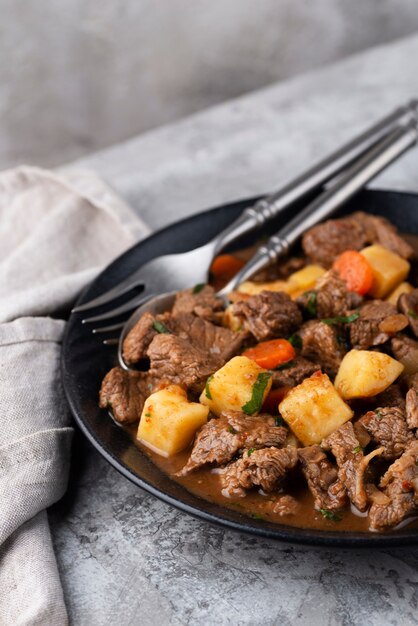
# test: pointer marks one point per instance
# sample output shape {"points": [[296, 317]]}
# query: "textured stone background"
{"points": [[78, 75]]}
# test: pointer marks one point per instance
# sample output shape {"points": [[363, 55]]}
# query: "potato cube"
{"points": [[400, 289], [230, 320], [240, 385], [313, 409], [275, 285], [363, 373], [389, 269], [169, 421], [306, 278]]}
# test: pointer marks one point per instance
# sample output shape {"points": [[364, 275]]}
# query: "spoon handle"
{"points": [[311, 180], [352, 180]]}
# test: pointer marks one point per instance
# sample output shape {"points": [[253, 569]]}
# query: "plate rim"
{"points": [[278, 532]]}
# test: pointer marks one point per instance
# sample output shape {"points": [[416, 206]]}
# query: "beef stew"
{"points": [[333, 451]]}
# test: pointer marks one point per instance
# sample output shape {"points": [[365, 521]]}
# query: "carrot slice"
{"points": [[273, 399], [225, 266], [354, 268], [270, 354]]}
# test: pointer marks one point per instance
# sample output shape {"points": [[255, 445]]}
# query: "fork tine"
{"points": [[133, 280], [108, 329], [128, 306], [111, 342]]}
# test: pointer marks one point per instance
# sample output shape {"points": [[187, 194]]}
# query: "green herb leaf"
{"points": [[378, 414], [250, 451], [148, 414], [232, 430], [160, 327], [413, 315], [280, 421], [296, 341], [259, 387], [341, 319], [285, 366], [357, 449], [311, 303], [330, 515], [207, 390], [198, 288]]}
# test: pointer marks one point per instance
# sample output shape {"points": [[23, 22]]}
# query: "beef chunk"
{"points": [[265, 468], [218, 342], [282, 505], [202, 303], [333, 298], [176, 360], [388, 428], [219, 440], [400, 485], [412, 408], [405, 349], [379, 230], [392, 396], [320, 345], [324, 242], [138, 339], [408, 305], [295, 371], [322, 477], [197, 350], [268, 314], [351, 462], [378, 321], [124, 393]]}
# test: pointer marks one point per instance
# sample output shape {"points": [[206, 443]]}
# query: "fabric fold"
{"points": [[56, 234]]}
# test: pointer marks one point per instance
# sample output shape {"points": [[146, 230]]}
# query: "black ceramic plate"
{"points": [[86, 360]]}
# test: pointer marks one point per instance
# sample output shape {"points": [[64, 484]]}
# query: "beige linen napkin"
{"points": [[56, 233]]}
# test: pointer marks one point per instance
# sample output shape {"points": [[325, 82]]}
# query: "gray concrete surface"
{"points": [[125, 557], [78, 75]]}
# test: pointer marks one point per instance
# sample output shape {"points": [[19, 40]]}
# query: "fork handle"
{"points": [[267, 208], [352, 180]]}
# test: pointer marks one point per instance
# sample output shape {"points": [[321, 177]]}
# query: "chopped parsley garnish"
{"points": [[285, 366], [311, 303], [357, 449], [198, 288], [259, 387], [250, 451], [232, 430], [378, 414], [296, 341], [160, 327], [256, 516], [413, 315], [279, 421], [207, 390], [330, 515], [148, 414], [341, 319]]}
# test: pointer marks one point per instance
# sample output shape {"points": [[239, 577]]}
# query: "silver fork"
{"points": [[179, 271], [354, 178]]}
